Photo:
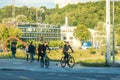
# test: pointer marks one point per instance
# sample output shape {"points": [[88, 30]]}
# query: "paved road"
{"points": [[22, 70], [33, 75]]}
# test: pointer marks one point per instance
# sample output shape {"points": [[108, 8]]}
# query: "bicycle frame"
{"points": [[69, 61], [45, 61]]}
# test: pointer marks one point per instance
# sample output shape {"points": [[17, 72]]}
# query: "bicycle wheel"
{"points": [[63, 62], [71, 62], [46, 62]]}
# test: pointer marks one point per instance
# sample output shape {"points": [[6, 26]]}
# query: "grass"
{"points": [[82, 57], [93, 63]]}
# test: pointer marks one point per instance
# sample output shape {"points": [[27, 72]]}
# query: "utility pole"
{"points": [[113, 37], [108, 51]]}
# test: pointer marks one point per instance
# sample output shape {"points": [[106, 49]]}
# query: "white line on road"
{"points": [[62, 75]]}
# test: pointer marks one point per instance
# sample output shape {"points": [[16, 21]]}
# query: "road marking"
{"points": [[100, 76], [62, 75], [24, 78], [83, 78], [51, 73]]}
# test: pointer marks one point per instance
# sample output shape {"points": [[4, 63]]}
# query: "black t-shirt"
{"points": [[44, 47], [66, 48], [31, 49]]}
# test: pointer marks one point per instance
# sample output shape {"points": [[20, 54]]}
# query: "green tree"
{"points": [[117, 35], [56, 43], [100, 31], [82, 33], [89, 13], [21, 18], [6, 20], [100, 36], [7, 30]]}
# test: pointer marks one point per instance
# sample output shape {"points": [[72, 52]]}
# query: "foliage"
{"points": [[7, 30], [5, 20], [100, 36], [89, 13], [21, 18], [82, 33], [103, 50], [81, 57], [56, 43], [93, 63], [15, 31], [117, 35], [92, 50]]}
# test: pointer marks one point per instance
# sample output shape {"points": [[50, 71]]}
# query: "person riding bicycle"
{"points": [[66, 47], [43, 50], [39, 51]]}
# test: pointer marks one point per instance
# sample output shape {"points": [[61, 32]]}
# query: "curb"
{"points": [[8, 69]]}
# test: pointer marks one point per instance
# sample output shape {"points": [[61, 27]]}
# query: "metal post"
{"points": [[113, 46], [108, 52]]}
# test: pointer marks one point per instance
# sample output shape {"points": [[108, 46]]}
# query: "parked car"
{"points": [[86, 45]]}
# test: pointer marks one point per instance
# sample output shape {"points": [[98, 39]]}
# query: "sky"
{"points": [[39, 3]]}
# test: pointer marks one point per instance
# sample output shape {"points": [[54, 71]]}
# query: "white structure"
{"points": [[67, 34], [108, 53], [95, 43]]}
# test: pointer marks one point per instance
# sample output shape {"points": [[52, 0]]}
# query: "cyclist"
{"points": [[39, 51], [43, 50], [65, 50]]}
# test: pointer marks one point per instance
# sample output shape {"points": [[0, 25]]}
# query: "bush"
{"points": [[92, 50], [93, 63], [56, 43]]}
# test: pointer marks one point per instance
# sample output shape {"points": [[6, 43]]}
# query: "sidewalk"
{"points": [[18, 64]]}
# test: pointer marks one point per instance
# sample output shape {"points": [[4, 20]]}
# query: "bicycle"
{"points": [[70, 61], [45, 62]]}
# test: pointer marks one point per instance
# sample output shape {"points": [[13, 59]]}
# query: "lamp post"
{"points": [[108, 53]]}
